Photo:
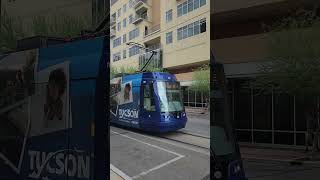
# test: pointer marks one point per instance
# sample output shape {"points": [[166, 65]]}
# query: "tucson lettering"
{"points": [[59, 164], [128, 113]]}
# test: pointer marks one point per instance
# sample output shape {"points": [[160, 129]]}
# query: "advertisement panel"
{"points": [[52, 110]]}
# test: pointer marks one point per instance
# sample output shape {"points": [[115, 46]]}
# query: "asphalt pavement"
{"points": [[142, 156], [198, 123]]}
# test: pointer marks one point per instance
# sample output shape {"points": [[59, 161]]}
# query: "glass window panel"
{"points": [[202, 2], [243, 136], [262, 110], [283, 111], [242, 109], [196, 4], [283, 138], [185, 8], [190, 30], [300, 139], [262, 137], [203, 26], [301, 120], [190, 5], [179, 10], [196, 28]]}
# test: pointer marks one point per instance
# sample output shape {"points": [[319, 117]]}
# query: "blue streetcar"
{"points": [[149, 101]]}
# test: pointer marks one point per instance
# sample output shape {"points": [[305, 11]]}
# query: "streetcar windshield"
{"points": [[170, 96]]}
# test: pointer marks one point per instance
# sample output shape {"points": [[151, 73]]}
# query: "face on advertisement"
{"points": [[127, 90], [55, 90]]}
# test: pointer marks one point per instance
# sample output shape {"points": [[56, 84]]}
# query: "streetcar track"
{"points": [[164, 139], [184, 142]]}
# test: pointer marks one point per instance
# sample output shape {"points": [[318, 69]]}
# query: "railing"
{"points": [[152, 30], [112, 20], [142, 17], [112, 2], [155, 62], [112, 32], [138, 1]]}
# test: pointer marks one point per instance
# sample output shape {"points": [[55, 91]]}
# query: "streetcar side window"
{"points": [[148, 98]]}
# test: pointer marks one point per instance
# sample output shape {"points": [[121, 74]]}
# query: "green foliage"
{"points": [[294, 54], [201, 79], [10, 31], [122, 69], [14, 28], [59, 26]]}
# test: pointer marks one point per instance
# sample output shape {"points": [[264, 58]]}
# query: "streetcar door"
{"points": [[148, 103]]}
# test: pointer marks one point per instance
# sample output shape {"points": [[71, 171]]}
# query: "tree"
{"points": [[201, 82], [201, 79], [294, 54], [11, 30], [293, 45], [14, 28], [131, 70]]}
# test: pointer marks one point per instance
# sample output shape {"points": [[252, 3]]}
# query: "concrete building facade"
{"points": [[178, 30], [239, 40]]}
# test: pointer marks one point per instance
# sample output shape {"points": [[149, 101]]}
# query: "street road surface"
{"points": [[144, 156]]}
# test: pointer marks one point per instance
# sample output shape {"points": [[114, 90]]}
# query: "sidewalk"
{"points": [[195, 110], [291, 156], [115, 176]]}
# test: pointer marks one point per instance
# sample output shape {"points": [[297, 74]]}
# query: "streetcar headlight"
{"points": [[218, 174]]}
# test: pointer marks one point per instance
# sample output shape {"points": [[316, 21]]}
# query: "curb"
{"points": [[194, 134], [293, 162]]}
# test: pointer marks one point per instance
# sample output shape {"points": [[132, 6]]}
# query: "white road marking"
{"points": [[157, 167], [119, 172], [164, 141], [154, 146]]}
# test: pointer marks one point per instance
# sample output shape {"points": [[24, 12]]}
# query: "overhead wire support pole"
{"points": [[147, 49]]}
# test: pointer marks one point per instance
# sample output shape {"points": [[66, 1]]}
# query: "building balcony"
{"points": [[112, 33], [112, 21], [141, 6], [153, 30], [155, 62], [140, 18]]}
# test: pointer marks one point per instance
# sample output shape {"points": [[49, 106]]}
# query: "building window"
{"points": [[133, 34], [117, 42], [203, 26], [189, 6], [119, 12], [130, 19], [179, 10], [130, 3], [124, 38], [192, 29], [134, 50], [116, 56], [124, 8], [196, 4], [124, 22], [202, 2], [169, 16], [196, 28], [169, 38], [119, 26], [124, 54]]}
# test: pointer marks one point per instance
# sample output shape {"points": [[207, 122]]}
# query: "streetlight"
{"points": [[143, 47]]}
